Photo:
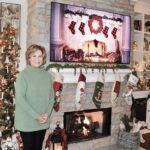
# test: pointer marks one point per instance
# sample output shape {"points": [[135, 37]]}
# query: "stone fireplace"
{"points": [[87, 124], [67, 106], [38, 31]]}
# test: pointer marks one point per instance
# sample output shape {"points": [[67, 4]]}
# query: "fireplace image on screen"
{"points": [[87, 124], [79, 34]]}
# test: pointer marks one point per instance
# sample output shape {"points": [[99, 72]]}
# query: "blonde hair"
{"points": [[32, 49]]}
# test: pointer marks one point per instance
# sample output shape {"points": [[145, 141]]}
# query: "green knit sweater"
{"points": [[34, 96]]}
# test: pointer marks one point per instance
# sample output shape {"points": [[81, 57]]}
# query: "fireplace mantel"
{"points": [[71, 77]]}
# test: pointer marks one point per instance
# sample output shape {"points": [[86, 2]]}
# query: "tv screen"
{"points": [[85, 35]]}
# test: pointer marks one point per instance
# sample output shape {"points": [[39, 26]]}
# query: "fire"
{"points": [[86, 131], [86, 121]]}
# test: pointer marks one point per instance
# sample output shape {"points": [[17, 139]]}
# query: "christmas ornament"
{"points": [[80, 91], [72, 26], [81, 28], [58, 86], [8, 144], [98, 91], [105, 31], [114, 31], [116, 89]]}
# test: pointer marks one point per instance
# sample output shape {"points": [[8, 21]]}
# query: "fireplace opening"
{"points": [[87, 124]]}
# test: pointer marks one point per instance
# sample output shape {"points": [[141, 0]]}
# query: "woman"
{"points": [[34, 99]]}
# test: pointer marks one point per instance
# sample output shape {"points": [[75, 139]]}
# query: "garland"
{"points": [[59, 66]]}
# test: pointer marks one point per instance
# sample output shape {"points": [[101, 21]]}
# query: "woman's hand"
{"points": [[42, 118]]}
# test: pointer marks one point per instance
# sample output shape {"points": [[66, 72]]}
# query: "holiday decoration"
{"points": [[11, 15], [81, 28], [9, 52], [105, 31], [85, 66], [97, 96], [57, 140], [72, 26], [80, 90], [132, 81], [58, 86], [95, 24], [114, 31], [127, 122], [116, 89]]}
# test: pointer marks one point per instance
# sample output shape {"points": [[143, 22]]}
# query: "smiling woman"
{"points": [[36, 55], [34, 99]]}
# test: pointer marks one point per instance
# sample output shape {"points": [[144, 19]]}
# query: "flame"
{"points": [[86, 131], [86, 121]]}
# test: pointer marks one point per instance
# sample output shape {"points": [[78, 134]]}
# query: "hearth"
{"points": [[87, 124]]}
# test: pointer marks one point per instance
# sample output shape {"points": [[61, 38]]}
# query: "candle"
{"points": [[7, 59], [2, 95], [0, 134]]}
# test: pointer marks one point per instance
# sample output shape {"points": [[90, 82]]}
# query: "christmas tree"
{"points": [[9, 53]]}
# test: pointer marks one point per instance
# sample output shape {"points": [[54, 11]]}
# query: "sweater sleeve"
{"points": [[21, 101], [51, 101]]}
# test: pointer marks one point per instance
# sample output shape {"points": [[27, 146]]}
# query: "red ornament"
{"points": [[95, 24]]}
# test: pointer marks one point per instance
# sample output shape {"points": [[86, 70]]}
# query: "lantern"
{"points": [[58, 138]]}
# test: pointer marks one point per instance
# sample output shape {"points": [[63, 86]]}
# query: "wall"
{"points": [[38, 32], [142, 6]]}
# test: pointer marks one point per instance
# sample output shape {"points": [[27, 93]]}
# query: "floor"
{"points": [[116, 147]]}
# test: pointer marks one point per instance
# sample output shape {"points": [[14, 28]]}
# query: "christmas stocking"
{"points": [[71, 27], [80, 91], [105, 31], [58, 86], [97, 96], [114, 31], [132, 81], [116, 89], [81, 28]]}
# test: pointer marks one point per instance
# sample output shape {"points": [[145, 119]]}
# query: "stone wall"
{"points": [[68, 104], [39, 32]]}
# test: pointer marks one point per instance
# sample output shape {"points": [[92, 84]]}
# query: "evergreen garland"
{"points": [[87, 66]]}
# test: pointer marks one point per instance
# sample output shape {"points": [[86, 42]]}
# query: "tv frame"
{"points": [[88, 62]]}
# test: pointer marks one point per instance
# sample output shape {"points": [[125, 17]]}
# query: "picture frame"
{"points": [[10, 14]]}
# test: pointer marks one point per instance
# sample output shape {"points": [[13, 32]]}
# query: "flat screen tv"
{"points": [[84, 35]]}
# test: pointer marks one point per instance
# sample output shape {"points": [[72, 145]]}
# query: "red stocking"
{"points": [[105, 31], [81, 28], [71, 27], [58, 86], [114, 31]]}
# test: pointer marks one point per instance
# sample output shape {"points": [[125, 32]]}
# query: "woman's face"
{"points": [[36, 59]]}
